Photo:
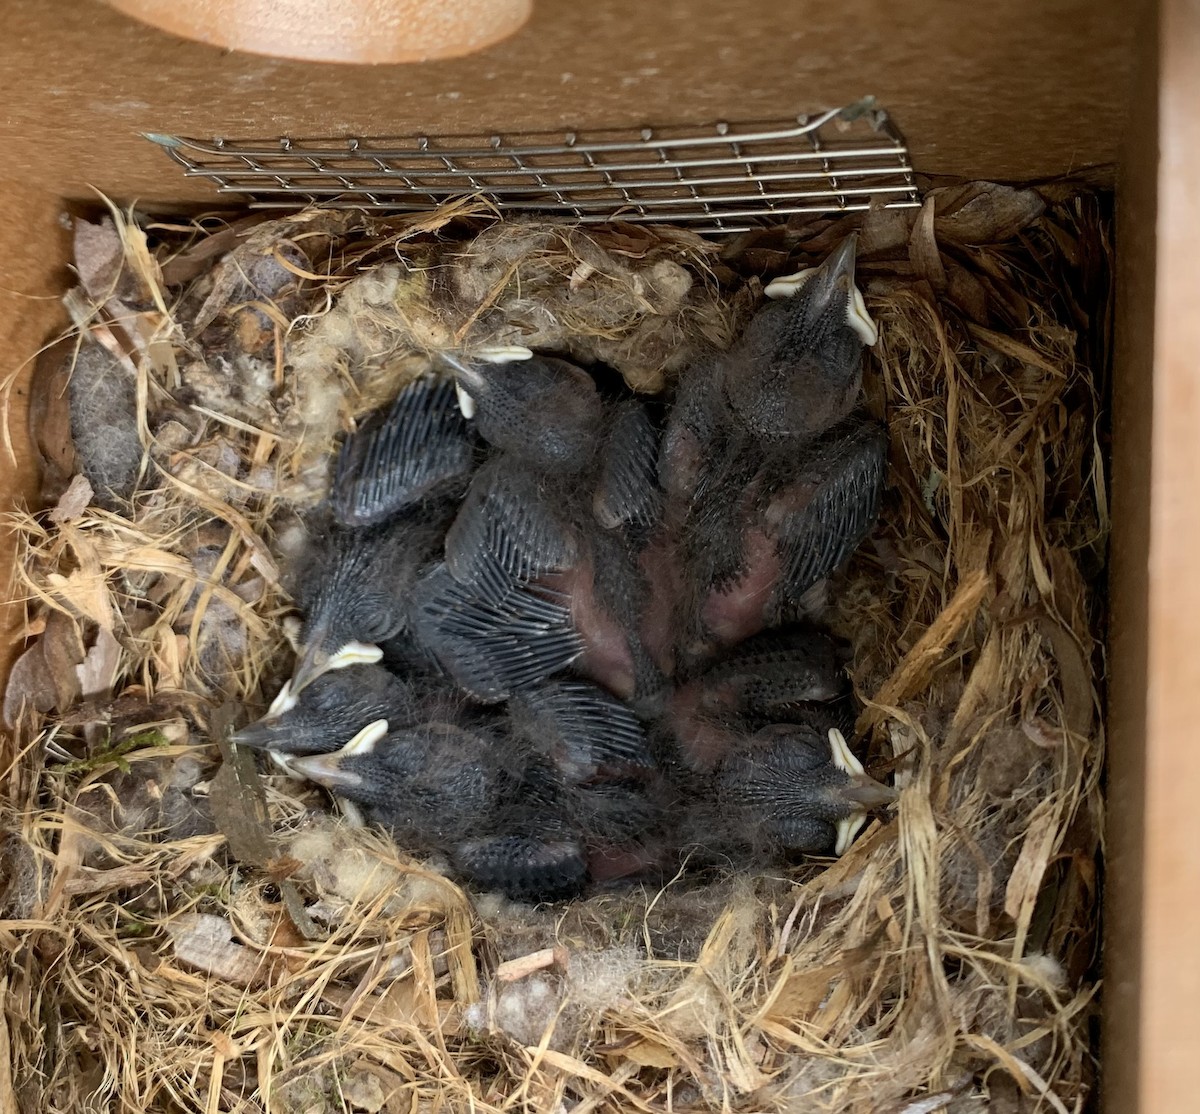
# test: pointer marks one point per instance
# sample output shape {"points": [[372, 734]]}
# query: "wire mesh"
{"points": [[716, 178]]}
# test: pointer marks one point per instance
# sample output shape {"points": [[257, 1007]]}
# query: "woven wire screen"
{"points": [[714, 178]]}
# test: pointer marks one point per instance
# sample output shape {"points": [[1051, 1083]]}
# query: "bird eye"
{"points": [[376, 618], [323, 698]]}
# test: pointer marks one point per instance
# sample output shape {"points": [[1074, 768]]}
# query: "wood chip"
{"points": [[513, 969]]}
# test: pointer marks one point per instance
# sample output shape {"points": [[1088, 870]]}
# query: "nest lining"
{"points": [[183, 935]]}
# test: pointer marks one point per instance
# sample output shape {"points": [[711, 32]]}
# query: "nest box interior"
{"points": [[1022, 93]]}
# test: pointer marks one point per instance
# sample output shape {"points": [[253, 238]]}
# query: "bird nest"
{"points": [[184, 933]]}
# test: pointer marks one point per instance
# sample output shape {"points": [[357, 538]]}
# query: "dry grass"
{"points": [[160, 960]]}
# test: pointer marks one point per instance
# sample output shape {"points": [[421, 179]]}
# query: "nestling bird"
{"points": [[354, 592], [513, 526], [491, 644], [518, 801], [543, 410], [391, 501], [499, 811], [547, 528], [771, 480], [793, 789], [339, 704], [583, 731], [520, 527], [777, 676], [626, 493]]}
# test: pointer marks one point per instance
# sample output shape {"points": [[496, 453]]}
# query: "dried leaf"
{"points": [[198, 258], [993, 214], [99, 256], [363, 1090], [50, 419], [915, 668], [885, 230], [239, 808], [967, 293], [923, 249], [73, 502], [30, 685], [86, 593], [1073, 676], [45, 676], [98, 671], [1026, 879], [205, 942]]}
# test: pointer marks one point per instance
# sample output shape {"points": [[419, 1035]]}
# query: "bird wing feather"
{"points": [[422, 444]]}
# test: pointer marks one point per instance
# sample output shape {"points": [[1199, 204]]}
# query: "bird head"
{"points": [[325, 647], [431, 782], [797, 369], [340, 770], [543, 410], [321, 715], [799, 791], [349, 607]]}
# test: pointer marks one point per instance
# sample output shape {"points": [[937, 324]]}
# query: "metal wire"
{"points": [[718, 178]]}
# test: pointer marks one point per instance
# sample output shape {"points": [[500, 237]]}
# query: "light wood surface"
{"points": [[1169, 1029], [345, 31]]}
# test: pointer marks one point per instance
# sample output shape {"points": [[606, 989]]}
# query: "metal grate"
{"points": [[715, 178]]}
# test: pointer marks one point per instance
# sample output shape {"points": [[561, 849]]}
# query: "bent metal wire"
{"points": [[717, 178]]}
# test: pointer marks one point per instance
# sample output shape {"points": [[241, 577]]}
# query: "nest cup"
{"points": [[186, 934]]}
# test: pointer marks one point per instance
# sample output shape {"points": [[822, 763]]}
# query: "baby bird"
{"points": [[491, 643], [776, 676], [513, 526], [576, 539], [354, 592], [467, 792], [545, 411], [771, 481], [520, 802], [626, 494], [584, 732], [336, 706], [390, 505], [789, 788]]}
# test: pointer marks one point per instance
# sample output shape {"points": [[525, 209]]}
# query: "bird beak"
{"points": [[832, 281], [862, 793], [327, 769], [258, 735], [314, 661]]}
